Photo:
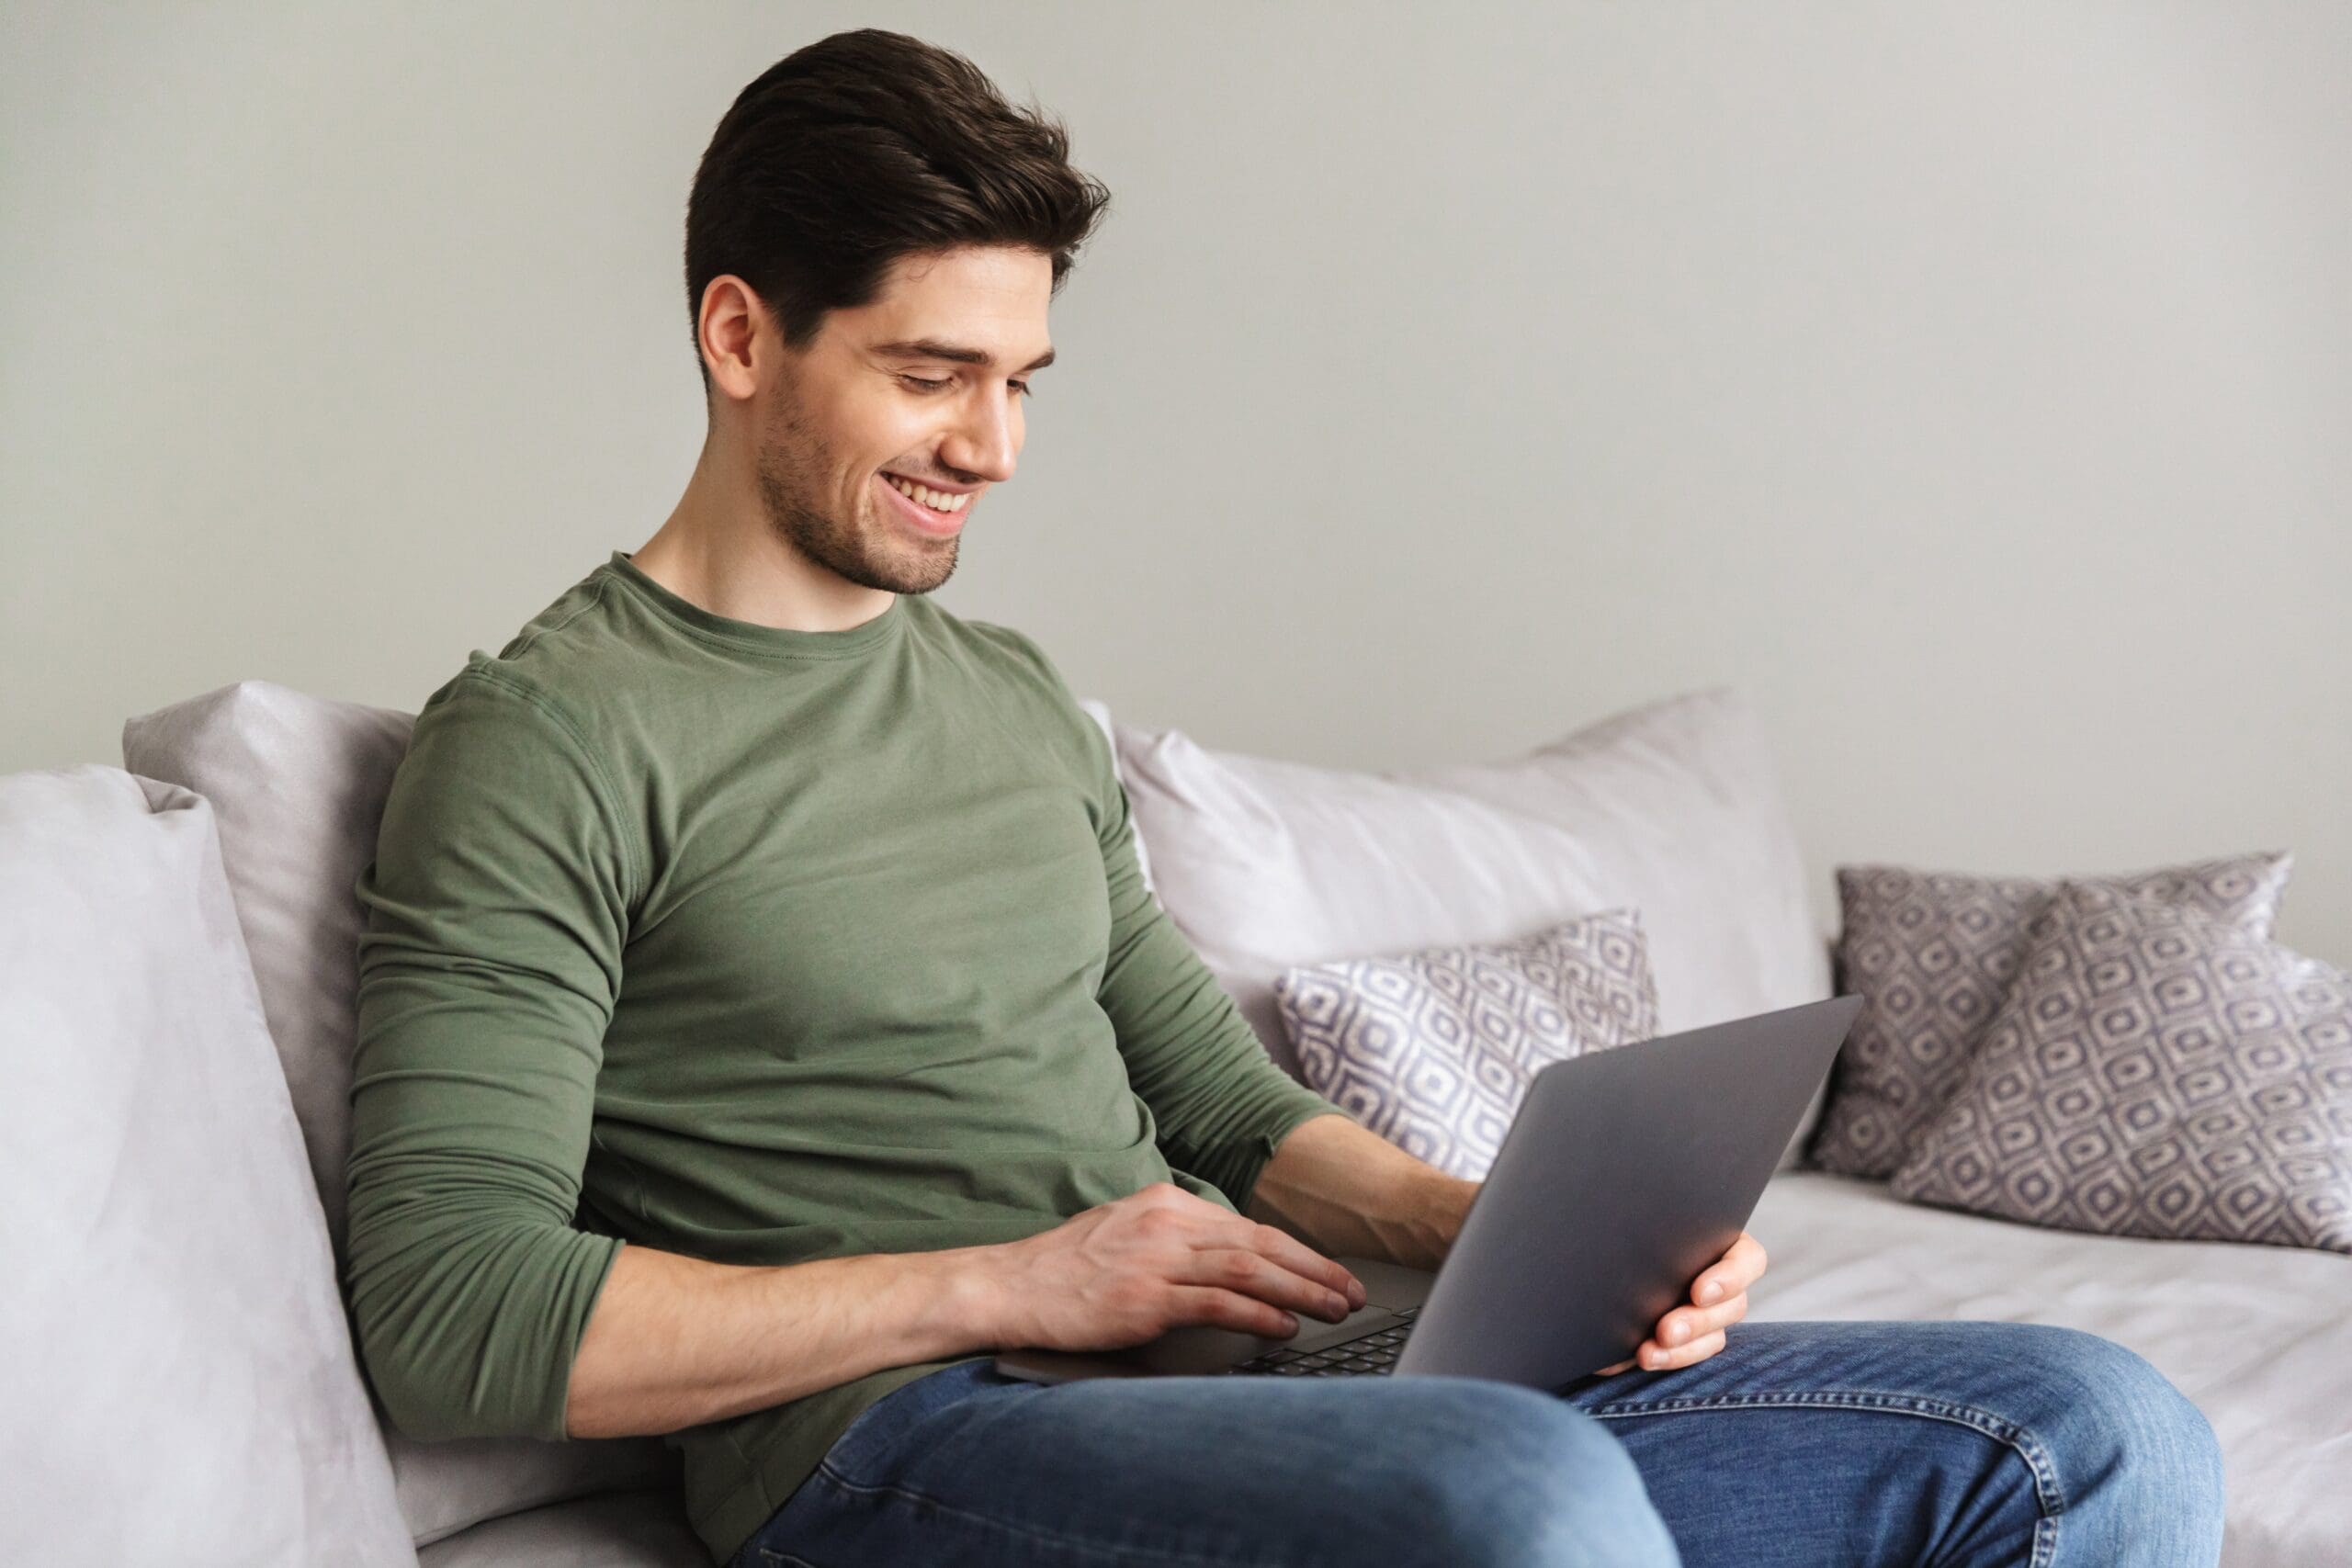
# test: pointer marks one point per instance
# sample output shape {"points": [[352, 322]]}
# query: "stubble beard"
{"points": [[857, 548]]}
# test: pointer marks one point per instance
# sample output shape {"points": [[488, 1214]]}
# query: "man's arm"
{"points": [[1341, 1187], [495, 914], [677, 1341]]}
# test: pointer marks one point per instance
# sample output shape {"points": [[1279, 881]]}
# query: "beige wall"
{"points": [[1971, 384]]}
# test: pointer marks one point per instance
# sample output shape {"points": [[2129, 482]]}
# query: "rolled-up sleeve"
{"points": [[496, 913]]}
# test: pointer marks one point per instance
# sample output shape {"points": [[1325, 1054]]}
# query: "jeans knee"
{"points": [[1525, 1479], [2115, 1422]]}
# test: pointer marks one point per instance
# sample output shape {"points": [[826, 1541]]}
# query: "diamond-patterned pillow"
{"points": [[1933, 954], [2155, 1072], [1434, 1049]]}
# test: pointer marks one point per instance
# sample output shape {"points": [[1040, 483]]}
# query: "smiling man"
{"points": [[763, 1018]]}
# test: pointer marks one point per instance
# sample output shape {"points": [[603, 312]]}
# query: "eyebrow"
{"points": [[933, 348]]}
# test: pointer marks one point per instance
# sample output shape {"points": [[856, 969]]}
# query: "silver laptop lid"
{"points": [[1625, 1173]]}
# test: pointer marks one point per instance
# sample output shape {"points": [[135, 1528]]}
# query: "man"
{"points": [[763, 1019]]}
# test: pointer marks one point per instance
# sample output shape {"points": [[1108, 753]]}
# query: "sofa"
{"points": [[178, 976]]}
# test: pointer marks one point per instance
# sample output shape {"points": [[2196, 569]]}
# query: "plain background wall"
{"points": [[1968, 384]]}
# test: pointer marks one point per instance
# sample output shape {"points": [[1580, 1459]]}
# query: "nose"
{"points": [[983, 442]]}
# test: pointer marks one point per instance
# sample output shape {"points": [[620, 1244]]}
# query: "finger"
{"points": [[1685, 1323], [1741, 1266], [1655, 1358], [1613, 1368], [1248, 1273], [1294, 1254], [1224, 1309]]}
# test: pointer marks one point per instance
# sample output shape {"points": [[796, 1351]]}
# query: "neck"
{"points": [[718, 550]]}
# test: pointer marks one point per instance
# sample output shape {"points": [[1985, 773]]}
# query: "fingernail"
{"points": [[1713, 1289], [1339, 1303], [1290, 1322], [1355, 1291], [1677, 1335]]}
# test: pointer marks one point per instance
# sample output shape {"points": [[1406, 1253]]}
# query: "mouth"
{"points": [[938, 523]]}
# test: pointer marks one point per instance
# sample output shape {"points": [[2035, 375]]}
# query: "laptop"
{"points": [[1626, 1172]]}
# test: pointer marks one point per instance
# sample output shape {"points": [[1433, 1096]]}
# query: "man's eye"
{"points": [[1021, 386]]}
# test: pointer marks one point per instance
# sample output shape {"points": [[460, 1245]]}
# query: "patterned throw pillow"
{"points": [[1934, 953], [2155, 1072], [1434, 1049]]}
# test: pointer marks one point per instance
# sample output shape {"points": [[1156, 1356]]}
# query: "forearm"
{"points": [[676, 1341], [1344, 1190]]}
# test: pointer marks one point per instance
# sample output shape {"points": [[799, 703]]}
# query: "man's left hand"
{"points": [[1694, 1331]]}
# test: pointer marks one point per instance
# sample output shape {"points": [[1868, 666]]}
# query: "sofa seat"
{"points": [[612, 1529], [2260, 1337]]}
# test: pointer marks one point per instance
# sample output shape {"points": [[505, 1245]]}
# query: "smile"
{"points": [[937, 521], [938, 501]]}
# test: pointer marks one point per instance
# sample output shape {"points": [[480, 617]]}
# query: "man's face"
{"points": [[852, 407]]}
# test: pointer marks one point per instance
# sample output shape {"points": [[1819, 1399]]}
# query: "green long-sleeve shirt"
{"points": [[757, 945]]}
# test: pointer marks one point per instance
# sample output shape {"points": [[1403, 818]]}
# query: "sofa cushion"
{"points": [[299, 785], [2256, 1336], [1933, 954], [1434, 1049], [1673, 810], [616, 1529], [2154, 1071], [177, 1364]]}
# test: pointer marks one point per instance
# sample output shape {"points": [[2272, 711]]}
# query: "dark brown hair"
{"points": [[863, 148]]}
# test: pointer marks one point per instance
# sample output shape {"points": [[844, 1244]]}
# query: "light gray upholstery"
{"points": [[616, 1529], [177, 1371], [2260, 1337]]}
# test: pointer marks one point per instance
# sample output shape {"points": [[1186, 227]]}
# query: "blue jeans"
{"points": [[1799, 1444]]}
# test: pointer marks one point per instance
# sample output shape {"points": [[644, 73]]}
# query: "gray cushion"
{"points": [[1434, 1049], [178, 1374], [299, 783], [2154, 1071], [1932, 954]]}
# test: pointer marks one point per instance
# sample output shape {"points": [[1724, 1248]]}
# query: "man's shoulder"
{"points": [[1015, 650], [561, 673]]}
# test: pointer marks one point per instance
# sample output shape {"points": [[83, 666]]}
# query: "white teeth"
{"points": [[933, 499]]}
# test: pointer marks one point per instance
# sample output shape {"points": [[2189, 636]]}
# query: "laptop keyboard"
{"points": [[1375, 1352]]}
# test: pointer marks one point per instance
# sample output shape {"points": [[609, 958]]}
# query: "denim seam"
{"points": [[855, 1490], [2048, 1493]]}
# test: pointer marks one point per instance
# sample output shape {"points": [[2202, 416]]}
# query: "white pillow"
{"points": [[1673, 808], [179, 1373]]}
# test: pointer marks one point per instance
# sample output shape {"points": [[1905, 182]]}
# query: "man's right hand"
{"points": [[1128, 1271]]}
